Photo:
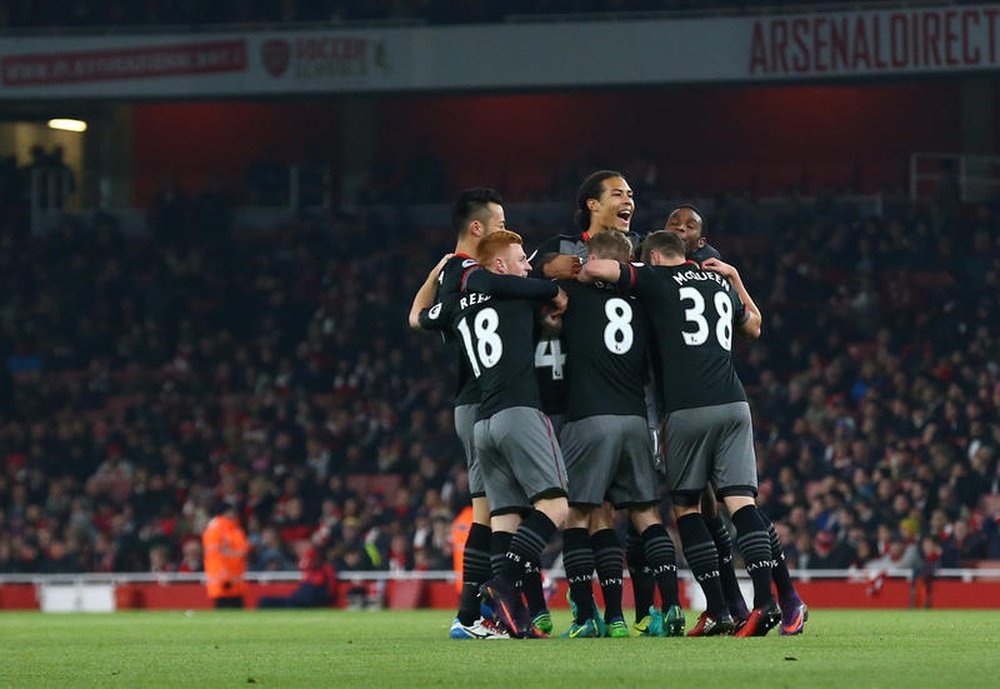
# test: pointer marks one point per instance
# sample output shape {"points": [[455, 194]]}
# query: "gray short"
{"points": [[610, 457], [465, 420], [557, 421], [711, 444], [520, 459]]}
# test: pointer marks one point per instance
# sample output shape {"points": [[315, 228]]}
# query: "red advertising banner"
{"points": [[179, 59]]}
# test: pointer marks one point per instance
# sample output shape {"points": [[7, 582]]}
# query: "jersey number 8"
{"points": [[618, 334]]}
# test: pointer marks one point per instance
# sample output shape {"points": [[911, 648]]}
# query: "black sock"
{"points": [[526, 546], [727, 572], [782, 579], [662, 559], [499, 545], [609, 560], [703, 559], [755, 546], [475, 571], [643, 584], [532, 586], [578, 559]]}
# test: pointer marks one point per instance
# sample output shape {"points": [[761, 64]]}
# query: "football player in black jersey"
{"points": [[604, 203], [607, 444], [476, 213], [694, 312], [520, 459], [688, 222]]}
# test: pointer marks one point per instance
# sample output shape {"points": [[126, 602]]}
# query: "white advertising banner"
{"points": [[506, 56]]}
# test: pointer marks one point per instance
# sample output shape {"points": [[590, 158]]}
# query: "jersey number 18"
{"points": [[489, 347]]}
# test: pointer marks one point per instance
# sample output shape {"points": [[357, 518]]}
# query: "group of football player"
{"points": [[586, 372]]}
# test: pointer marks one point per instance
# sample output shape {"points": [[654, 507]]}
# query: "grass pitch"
{"points": [[843, 649]]}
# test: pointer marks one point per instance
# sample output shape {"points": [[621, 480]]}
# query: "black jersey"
{"points": [[498, 343], [704, 253], [462, 273], [605, 334], [450, 281], [693, 314], [571, 244], [550, 353]]}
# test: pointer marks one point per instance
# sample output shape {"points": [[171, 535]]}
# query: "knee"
{"points": [[556, 509]]}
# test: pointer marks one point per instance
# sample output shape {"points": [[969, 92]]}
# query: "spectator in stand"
{"points": [[964, 544], [269, 551], [187, 380], [190, 557], [317, 587]]}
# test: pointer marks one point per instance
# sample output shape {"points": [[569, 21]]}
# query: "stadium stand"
{"points": [[147, 377], [152, 13]]}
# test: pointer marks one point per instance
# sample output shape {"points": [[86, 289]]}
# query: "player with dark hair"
{"points": [[604, 203], [521, 463], [476, 213], [607, 445], [694, 312], [689, 223]]}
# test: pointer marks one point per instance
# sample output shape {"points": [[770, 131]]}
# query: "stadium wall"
{"points": [[763, 138]]}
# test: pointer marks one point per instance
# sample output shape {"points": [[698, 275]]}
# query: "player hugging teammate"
{"points": [[593, 355]]}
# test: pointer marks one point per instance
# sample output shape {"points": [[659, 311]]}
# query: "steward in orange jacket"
{"points": [[225, 545]]}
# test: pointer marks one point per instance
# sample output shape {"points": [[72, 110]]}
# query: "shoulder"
{"points": [[706, 252], [459, 264], [554, 244]]}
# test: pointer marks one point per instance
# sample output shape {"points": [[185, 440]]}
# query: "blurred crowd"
{"points": [[98, 13], [145, 379]]}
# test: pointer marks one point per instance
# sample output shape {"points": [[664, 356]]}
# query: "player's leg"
{"points": [[735, 477], [690, 451], [532, 584], [755, 546], [703, 559], [586, 446], [724, 544], [636, 486], [794, 612], [578, 560], [643, 585], [531, 456], [609, 561], [661, 557], [476, 567]]}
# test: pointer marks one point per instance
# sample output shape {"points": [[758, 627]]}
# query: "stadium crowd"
{"points": [[147, 378], [101, 13]]}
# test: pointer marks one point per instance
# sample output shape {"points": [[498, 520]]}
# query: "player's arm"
{"points": [[435, 318], [623, 275], [548, 263], [750, 326], [549, 317], [560, 267], [509, 286], [424, 298]]}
